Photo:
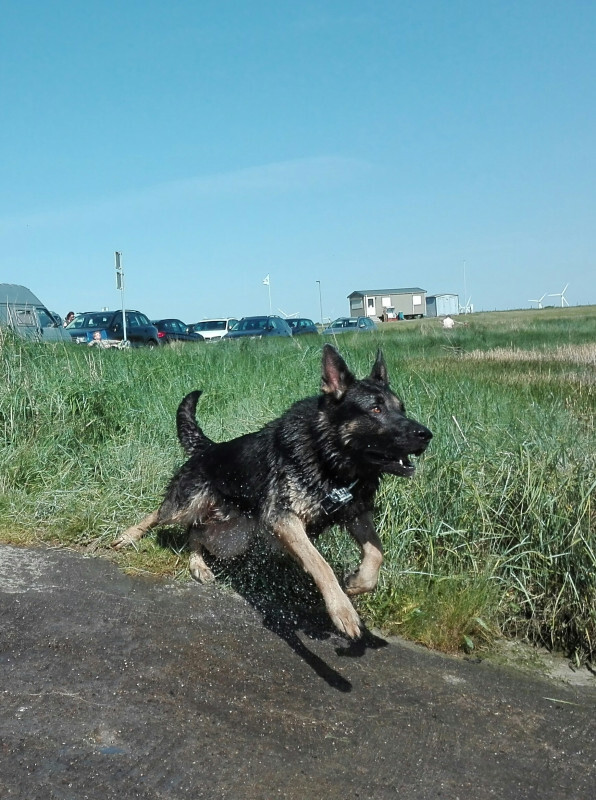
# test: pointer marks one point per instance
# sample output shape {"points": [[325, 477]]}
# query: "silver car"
{"points": [[260, 328], [351, 325]]}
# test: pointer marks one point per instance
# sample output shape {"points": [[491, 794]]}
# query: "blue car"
{"points": [[139, 330], [300, 325]]}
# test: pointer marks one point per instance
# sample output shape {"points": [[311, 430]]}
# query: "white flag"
{"points": [[266, 280]]}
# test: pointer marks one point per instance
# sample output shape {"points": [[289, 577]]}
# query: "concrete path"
{"points": [[119, 687]]}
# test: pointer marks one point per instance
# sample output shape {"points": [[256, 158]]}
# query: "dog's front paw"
{"points": [[345, 618]]}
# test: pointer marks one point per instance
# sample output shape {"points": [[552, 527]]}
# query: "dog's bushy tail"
{"points": [[191, 437]]}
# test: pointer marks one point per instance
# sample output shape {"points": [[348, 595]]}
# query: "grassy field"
{"points": [[496, 533]]}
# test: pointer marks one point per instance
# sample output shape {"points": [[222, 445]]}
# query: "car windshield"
{"points": [[92, 320], [252, 324], [44, 318], [210, 325], [345, 322]]}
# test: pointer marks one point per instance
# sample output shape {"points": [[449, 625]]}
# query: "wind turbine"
{"points": [[562, 296], [288, 316], [538, 302], [468, 308]]}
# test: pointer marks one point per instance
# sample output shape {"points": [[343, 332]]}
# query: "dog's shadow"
{"points": [[289, 604]]}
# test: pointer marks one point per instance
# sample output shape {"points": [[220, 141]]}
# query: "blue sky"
{"points": [[360, 144]]}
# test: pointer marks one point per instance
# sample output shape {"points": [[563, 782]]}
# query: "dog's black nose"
{"points": [[423, 433]]}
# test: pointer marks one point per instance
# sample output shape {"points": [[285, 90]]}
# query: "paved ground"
{"points": [[118, 687]]}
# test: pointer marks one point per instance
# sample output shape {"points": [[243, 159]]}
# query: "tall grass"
{"points": [[496, 531]]}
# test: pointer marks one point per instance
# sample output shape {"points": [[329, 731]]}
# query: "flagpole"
{"points": [[267, 282]]}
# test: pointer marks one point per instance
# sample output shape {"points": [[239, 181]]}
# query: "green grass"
{"points": [[495, 533]]}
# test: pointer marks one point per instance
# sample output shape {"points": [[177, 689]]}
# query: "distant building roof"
{"points": [[369, 292]]}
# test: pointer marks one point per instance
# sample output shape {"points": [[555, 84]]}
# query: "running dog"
{"points": [[317, 465]]}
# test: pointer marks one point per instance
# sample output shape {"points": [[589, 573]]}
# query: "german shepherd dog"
{"points": [[317, 465]]}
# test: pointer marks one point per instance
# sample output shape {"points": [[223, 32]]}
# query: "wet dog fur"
{"points": [[317, 465]]}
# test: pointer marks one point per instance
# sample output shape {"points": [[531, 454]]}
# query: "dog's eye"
{"points": [[378, 406]]}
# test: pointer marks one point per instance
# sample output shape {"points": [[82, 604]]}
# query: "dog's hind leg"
{"points": [[366, 576], [290, 532], [225, 538], [198, 568], [136, 532]]}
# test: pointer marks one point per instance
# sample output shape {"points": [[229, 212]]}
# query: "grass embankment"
{"points": [[496, 531]]}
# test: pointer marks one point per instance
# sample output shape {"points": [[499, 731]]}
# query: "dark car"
{"points": [[351, 325], [139, 331], [259, 328], [300, 325], [174, 330]]}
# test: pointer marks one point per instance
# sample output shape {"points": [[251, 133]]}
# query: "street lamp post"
{"points": [[320, 302], [120, 286]]}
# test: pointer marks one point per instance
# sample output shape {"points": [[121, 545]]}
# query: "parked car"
{"points": [[300, 325], [27, 317], [259, 328], [139, 331], [351, 325], [214, 329], [174, 330]]}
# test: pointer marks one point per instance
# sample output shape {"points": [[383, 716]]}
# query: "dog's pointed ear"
{"points": [[379, 370], [336, 378]]}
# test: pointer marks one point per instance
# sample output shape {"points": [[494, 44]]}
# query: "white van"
{"points": [[214, 329], [26, 315]]}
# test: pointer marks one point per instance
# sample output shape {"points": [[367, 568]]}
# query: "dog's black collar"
{"points": [[337, 498]]}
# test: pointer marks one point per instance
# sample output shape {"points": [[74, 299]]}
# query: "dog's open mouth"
{"points": [[400, 466], [403, 466], [393, 463]]}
